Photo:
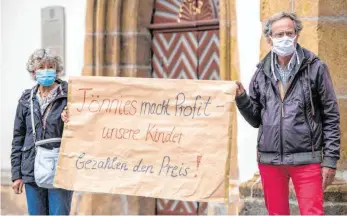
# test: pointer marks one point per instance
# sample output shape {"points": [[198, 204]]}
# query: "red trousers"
{"points": [[307, 180]]}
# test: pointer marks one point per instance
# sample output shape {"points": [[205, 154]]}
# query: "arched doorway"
{"points": [[186, 39], [185, 45]]}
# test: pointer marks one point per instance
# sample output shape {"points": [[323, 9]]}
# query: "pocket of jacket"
{"points": [[260, 133], [269, 141], [28, 158]]}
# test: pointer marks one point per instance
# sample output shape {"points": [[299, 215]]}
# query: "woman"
{"points": [[48, 99]]}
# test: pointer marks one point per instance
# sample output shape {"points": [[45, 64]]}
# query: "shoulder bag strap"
{"points": [[32, 114]]}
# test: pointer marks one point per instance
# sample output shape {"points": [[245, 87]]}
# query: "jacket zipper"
{"points": [[306, 120], [281, 116], [290, 87], [281, 130], [282, 108]]}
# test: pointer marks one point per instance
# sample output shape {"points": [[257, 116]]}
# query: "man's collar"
{"points": [[267, 65], [293, 60]]}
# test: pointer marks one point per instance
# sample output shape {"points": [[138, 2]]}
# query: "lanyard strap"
{"points": [[41, 142], [48, 110], [32, 114]]}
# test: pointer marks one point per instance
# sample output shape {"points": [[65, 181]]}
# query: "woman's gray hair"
{"points": [[268, 25], [41, 55]]}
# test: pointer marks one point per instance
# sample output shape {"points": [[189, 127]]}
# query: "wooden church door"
{"points": [[185, 45]]}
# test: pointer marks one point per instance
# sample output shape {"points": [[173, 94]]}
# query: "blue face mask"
{"points": [[46, 77]]}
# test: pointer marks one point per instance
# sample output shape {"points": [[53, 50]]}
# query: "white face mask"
{"points": [[283, 46]]}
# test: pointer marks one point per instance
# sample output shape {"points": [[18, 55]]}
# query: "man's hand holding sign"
{"points": [[147, 137]]}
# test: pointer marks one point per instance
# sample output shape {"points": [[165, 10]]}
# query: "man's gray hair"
{"points": [[41, 55], [268, 25]]}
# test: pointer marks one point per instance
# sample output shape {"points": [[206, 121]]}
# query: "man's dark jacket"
{"points": [[299, 126]]}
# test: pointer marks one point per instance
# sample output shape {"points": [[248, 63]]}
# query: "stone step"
{"points": [[256, 206], [337, 192], [251, 192]]}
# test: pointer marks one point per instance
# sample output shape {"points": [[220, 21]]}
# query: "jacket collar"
{"points": [[62, 89], [25, 99], [266, 63]]}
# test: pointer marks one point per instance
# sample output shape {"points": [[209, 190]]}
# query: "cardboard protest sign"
{"points": [[147, 137]]}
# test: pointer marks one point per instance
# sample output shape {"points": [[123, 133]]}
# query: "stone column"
{"points": [[229, 70], [117, 42], [136, 38], [325, 34]]}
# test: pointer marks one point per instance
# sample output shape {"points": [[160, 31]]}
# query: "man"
{"points": [[292, 102]]}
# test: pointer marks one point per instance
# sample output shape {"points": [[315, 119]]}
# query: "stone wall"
{"points": [[229, 70], [118, 43], [117, 40], [324, 33]]}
